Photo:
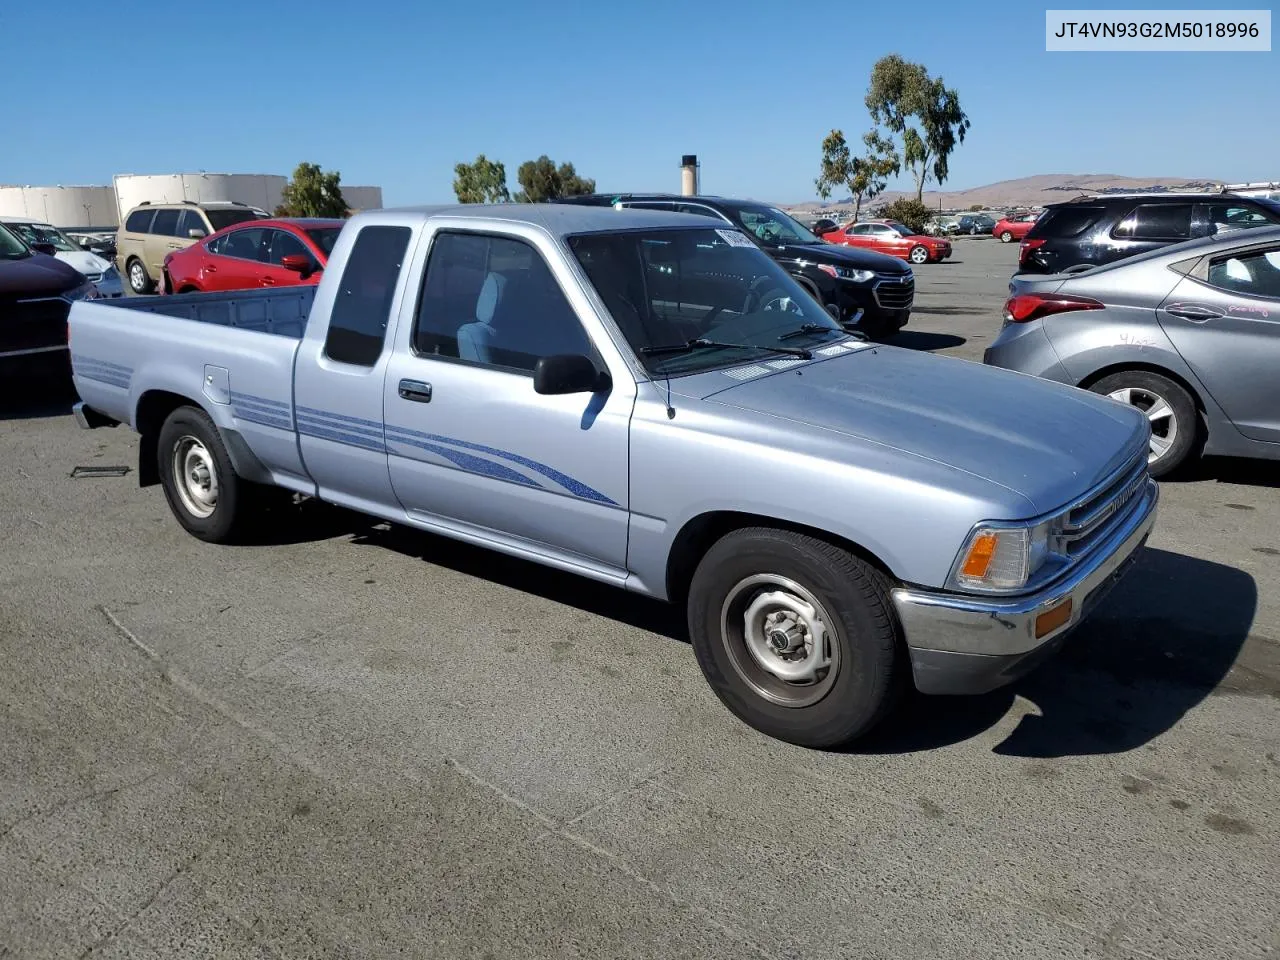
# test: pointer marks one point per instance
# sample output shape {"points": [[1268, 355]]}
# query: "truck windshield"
{"points": [[11, 248], [668, 287]]}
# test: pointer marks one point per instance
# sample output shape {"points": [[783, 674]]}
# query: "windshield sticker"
{"points": [[735, 239]]}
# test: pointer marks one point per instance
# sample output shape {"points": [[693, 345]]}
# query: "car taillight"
{"points": [[1024, 307], [1026, 247]]}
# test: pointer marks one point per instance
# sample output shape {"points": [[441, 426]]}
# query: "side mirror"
{"points": [[48, 249], [195, 233], [568, 373], [299, 263]]}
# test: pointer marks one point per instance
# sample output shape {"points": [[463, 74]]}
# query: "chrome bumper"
{"points": [[1005, 627]]}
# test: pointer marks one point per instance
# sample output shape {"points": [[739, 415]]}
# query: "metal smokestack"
{"points": [[689, 175]]}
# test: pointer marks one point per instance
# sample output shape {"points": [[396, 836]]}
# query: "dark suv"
{"points": [[1090, 231], [868, 292]]}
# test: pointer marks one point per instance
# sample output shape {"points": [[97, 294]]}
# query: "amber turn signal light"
{"points": [[1052, 619], [980, 554]]}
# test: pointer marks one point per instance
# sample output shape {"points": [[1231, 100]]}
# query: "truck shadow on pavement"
{"points": [[1174, 632]]}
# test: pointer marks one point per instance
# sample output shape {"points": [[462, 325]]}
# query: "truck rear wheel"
{"points": [[199, 481], [796, 636]]}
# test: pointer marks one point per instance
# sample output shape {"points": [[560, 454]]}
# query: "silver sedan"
{"points": [[1190, 334]]}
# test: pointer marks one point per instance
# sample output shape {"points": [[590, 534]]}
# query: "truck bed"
{"points": [[280, 312]]}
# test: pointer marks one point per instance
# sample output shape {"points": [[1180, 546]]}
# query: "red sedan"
{"points": [[1010, 229], [894, 238], [252, 254]]}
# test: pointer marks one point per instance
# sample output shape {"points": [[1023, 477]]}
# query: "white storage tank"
{"points": [[255, 189], [362, 198], [64, 207]]}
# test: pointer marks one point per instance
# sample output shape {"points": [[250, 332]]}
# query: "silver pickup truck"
{"points": [[648, 400]]}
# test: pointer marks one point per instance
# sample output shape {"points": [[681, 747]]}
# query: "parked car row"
{"points": [[1168, 303], [36, 292], [49, 240], [152, 231]]}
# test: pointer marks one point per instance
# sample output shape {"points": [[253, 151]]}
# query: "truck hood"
{"points": [[1043, 440], [37, 275]]}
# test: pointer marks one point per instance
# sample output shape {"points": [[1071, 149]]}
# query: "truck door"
{"points": [[1225, 321], [472, 448], [340, 368]]}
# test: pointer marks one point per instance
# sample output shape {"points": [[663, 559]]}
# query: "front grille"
{"points": [[31, 324], [894, 291], [1092, 520]]}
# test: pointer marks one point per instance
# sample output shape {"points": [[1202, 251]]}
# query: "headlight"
{"points": [[86, 291], [847, 273], [1001, 558]]}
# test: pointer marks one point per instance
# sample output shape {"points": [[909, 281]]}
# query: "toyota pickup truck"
{"points": [[647, 399]]}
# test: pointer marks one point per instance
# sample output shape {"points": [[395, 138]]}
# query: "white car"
{"points": [[102, 273]]}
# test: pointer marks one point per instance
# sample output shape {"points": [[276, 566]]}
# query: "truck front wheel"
{"points": [[795, 635], [199, 482]]}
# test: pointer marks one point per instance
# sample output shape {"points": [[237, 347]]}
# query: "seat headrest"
{"points": [[490, 294]]}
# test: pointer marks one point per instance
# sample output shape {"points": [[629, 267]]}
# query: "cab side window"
{"points": [[493, 301], [358, 322], [1156, 221]]}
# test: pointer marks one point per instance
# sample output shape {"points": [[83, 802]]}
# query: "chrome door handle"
{"points": [[1193, 312], [415, 390]]}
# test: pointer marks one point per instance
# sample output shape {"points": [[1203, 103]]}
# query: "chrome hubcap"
{"points": [[780, 640], [1164, 425], [195, 477]]}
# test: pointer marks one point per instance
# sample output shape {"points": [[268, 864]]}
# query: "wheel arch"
{"points": [[698, 535], [155, 406], [1156, 368]]}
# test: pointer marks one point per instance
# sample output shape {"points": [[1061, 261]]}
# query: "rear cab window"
{"points": [[358, 321]]}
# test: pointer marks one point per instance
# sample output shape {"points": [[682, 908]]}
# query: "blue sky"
{"points": [[394, 92]]}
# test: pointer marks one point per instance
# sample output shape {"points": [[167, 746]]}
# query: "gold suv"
{"points": [[153, 230]]}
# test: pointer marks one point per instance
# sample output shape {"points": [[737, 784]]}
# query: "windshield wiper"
{"points": [[804, 328], [700, 343]]}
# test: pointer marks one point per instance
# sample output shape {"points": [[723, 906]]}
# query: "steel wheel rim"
{"points": [[780, 640], [195, 477], [136, 278], [1159, 413]]}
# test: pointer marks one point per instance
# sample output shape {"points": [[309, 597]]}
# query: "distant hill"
{"points": [[1033, 191]]}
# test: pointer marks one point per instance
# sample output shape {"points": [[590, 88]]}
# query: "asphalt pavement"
{"points": [[352, 740]]}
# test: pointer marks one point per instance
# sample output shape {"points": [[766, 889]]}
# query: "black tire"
{"points": [[1006, 237], [1181, 425], [918, 254], [140, 281], [224, 522], [867, 669]]}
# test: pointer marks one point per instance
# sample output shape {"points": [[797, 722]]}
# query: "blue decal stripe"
{"points": [[337, 436], [278, 412], [376, 424], [106, 378], [470, 463], [108, 371], [576, 487], [258, 401], [335, 425], [342, 424], [80, 358], [256, 416]]}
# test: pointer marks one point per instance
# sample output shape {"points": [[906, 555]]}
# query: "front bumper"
{"points": [[970, 644]]}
